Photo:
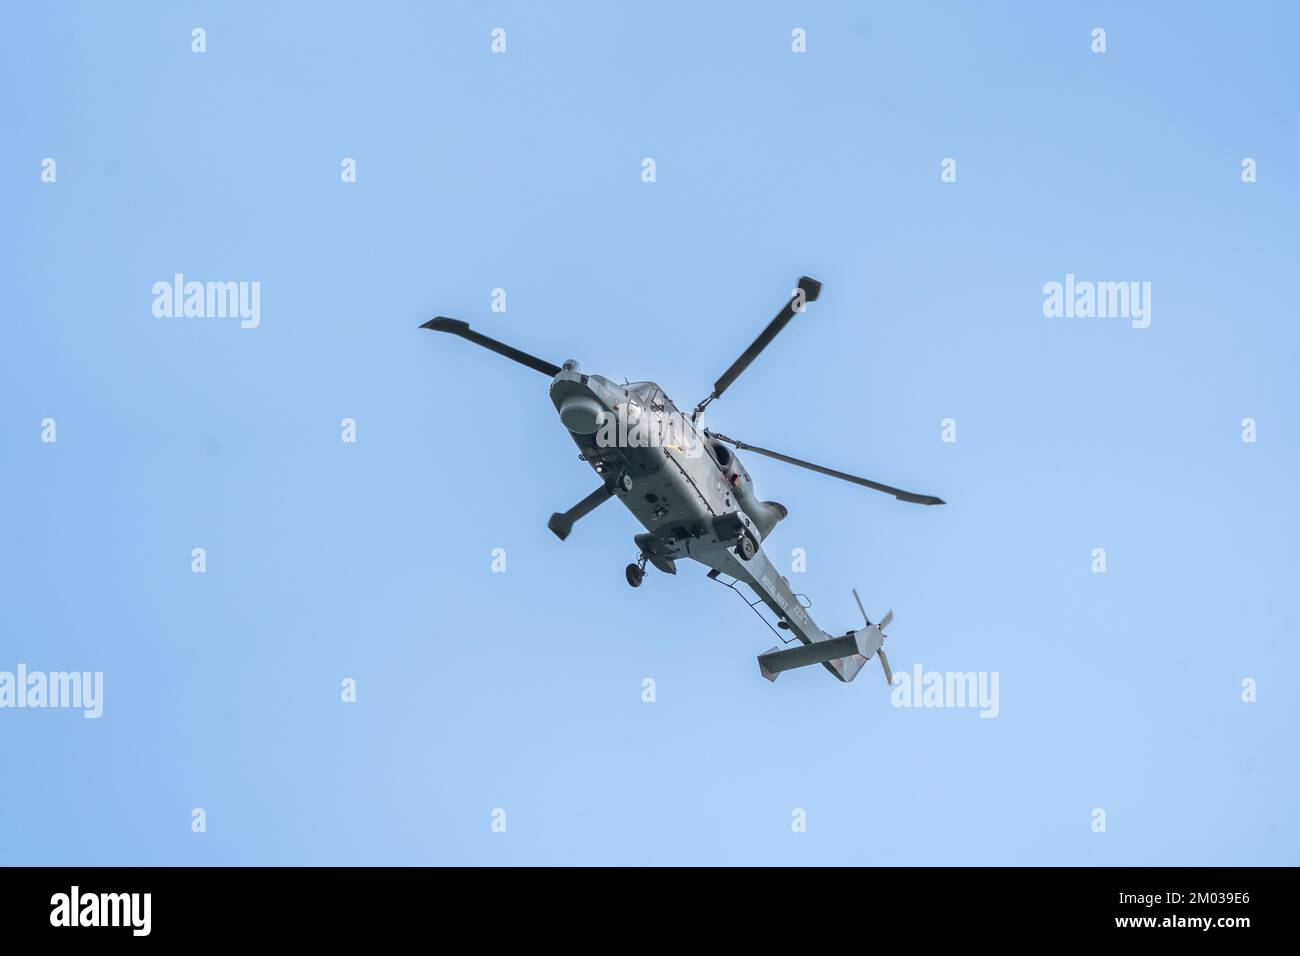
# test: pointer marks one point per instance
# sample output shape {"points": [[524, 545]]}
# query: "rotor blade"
{"points": [[866, 483], [884, 621], [810, 288], [861, 608], [457, 327], [884, 662]]}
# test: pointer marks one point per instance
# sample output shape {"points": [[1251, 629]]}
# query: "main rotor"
{"points": [[807, 290]]}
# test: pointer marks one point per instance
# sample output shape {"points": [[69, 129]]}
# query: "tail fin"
{"points": [[879, 630], [870, 638]]}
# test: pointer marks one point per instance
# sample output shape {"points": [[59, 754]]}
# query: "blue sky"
{"points": [[522, 690]]}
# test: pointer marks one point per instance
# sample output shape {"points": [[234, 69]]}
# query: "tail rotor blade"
{"points": [[462, 329], [861, 608], [884, 621], [884, 662]]}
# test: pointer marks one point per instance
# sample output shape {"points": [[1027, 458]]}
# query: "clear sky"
{"points": [[522, 691]]}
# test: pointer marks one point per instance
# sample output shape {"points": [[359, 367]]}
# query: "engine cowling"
{"points": [[765, 514]]}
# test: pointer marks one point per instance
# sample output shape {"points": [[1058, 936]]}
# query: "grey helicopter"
{"points": [[694, 498]]}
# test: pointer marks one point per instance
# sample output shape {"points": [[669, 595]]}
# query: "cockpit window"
{"points": [[646, 394]]}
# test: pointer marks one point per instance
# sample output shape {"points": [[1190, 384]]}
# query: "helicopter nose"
{"points": [[581, 414]]}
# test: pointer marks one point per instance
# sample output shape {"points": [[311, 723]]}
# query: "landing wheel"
{"points": [[623, 483], [635, 575], [746, 548]]}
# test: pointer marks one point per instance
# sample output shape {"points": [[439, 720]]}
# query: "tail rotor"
{"points": [[875, 637]]}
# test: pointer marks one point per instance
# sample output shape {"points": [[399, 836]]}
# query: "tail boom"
{"points": [[843, 656]]}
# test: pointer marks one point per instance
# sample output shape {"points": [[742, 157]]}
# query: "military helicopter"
{"points": [[693, 496]]}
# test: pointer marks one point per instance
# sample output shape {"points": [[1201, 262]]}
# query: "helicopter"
{"points": [[689, 490]]}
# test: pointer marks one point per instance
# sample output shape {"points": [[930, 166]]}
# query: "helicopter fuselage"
{"points": [[691, 493]]}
